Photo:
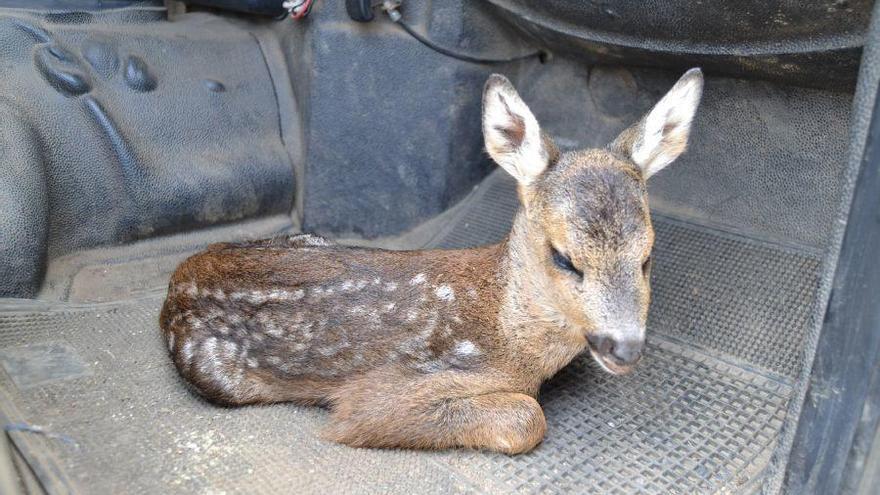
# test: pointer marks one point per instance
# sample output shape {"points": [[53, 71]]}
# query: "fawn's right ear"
{"points": [[513, 137]]}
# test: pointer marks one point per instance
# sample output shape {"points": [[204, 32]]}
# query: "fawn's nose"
{"points": [[621, 351]]}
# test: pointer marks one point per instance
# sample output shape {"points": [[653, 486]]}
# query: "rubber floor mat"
{"points": [[684, 421], [701, 414]]}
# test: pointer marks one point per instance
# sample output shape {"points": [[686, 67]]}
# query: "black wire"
{"points": [[461, 56]]}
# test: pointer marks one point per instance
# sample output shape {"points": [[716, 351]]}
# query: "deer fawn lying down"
{"points": [[442, 348]]}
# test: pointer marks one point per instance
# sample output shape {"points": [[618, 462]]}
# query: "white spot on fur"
{"points": [[252, 362], [347, 285], [418, 279], [377, 281], [223, 329], [209, 345], [445, 293], [190, 289], [170, 336], [208, 361], [186, 352], [428, 331], [230, 348], [361, 284], [374, 317], [472, 293], [390, 287], [411, 315], [389, 307], [274, 330], [466, 348], [260, 296], [332, 350], [257, 297], [273, 360]]}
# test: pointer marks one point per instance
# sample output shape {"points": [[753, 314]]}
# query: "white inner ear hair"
{"points": [[513, 136], [665, 130]]}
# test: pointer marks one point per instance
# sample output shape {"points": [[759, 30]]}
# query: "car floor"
{"points": [[101, 409]]}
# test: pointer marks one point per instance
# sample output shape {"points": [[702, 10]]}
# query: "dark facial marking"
{"points": [[610, 205]]}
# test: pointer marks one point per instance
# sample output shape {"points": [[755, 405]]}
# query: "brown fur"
{"points": [[430, 349]]}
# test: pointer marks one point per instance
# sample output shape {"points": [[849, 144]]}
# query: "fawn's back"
{"points": [[322, 313]]}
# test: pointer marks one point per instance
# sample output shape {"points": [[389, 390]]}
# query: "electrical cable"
{"points": [[298, 9], [397, 18]]}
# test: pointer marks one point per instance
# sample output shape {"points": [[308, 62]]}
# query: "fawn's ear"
{"points": [[662, 135], [513, 137]]}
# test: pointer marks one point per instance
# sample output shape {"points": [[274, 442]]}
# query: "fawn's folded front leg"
{"points": [[418, 417]]}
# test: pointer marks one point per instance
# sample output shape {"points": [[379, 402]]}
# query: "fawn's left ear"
{"points": [[662, 135], [512, 134]]}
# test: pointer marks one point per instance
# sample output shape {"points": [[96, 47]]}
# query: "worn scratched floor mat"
{"points": [[99, 376]]}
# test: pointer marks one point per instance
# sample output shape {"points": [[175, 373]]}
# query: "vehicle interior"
{"points": [[136, 132]]}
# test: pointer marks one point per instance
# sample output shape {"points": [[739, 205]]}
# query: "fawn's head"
{"points": [[587, 232]]}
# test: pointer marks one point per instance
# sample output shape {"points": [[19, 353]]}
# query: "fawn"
{"points": [[442, 348]]}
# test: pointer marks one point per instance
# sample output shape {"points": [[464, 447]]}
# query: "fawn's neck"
{"points": [[528, 318]]}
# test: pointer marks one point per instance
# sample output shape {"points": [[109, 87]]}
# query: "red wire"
{"points": [[302, 10]]}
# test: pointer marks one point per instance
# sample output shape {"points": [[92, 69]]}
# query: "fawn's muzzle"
{"points": [[617, 355]]}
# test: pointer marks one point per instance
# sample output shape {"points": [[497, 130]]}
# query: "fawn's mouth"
{"points": [[608, 364]]}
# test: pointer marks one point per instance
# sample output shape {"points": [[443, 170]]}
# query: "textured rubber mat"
{"points": [[701, 415], [684, 422], [732, 295], [487, 217]]}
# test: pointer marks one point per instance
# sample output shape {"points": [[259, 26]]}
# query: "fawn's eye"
{"points": [[564, 262], [646, 266]]}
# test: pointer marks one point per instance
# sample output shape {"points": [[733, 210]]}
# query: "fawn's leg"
{"points": [[420, 415]]}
